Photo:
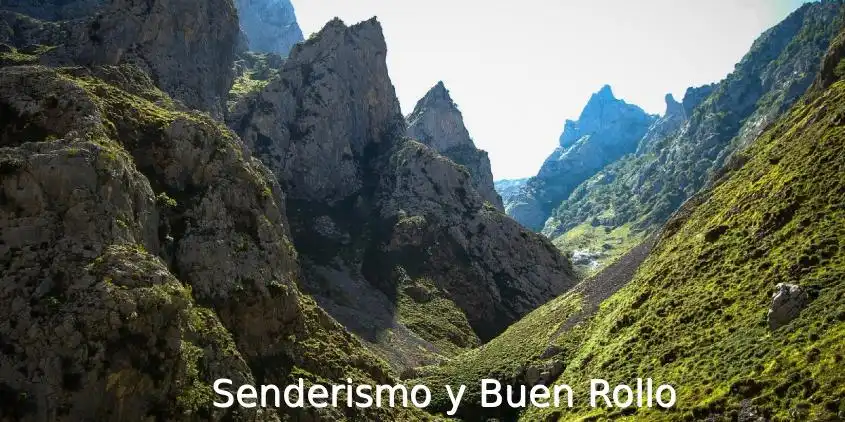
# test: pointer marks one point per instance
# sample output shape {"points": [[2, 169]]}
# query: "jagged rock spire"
{"points": [[437, 122], [673, 106]]}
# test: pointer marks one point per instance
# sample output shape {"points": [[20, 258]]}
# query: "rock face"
{"points": [[187, 47], [787, 302], [174, 267], [316, 146], [607, 129], [145, 252], [269, 26], [388, 229], [437, 122]]}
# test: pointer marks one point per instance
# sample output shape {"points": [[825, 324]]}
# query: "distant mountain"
{"points": [[507, 188], [437, 122], [686, 147], [269, 26], [607, 129]]}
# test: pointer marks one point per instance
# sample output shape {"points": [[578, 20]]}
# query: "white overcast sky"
{"points": [[518, 69]]}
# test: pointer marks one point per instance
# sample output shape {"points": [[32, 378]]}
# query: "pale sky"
{"points": [[518, 69]]}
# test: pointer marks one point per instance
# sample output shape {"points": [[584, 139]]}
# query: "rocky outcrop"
{"points": [[269, 26], [185, 46], [495, 270], [331, 103], [387, 228], [145, 254], [437, 122], [787, 302], [607, 129]]}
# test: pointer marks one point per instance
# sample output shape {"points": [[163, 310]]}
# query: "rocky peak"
{"points": [[437, 122], [695, 96], [605, 120], [333, 100], [607, 129], [605, 92], [269, 26], [603, 112], [672, 120], [438, 94], [673, 106], [570, 133]]}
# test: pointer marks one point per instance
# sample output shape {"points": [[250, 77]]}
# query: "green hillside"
{"points": [[694, 314]]}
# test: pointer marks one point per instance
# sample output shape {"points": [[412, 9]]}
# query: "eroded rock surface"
{"points": [[389, 229], [145, 254], [187, 47], [437, 122]]}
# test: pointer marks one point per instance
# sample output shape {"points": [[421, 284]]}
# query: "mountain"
{"points": [[175, 210], [148, 249], [630, 198], [437, 123], [145, 252], [736, 301], [507, 188], [607, 129], [269, 26], [390, 232]]}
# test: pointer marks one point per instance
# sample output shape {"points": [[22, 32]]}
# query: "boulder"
{"points": [[787, 302]]}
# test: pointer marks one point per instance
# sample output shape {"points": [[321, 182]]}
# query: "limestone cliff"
{"points": [[437, 122], [185, 46], [144, 251], [393, 236]]}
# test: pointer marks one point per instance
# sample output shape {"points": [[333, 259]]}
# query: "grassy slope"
{"points": [[695, 313], [505, 357], [607, 243]]}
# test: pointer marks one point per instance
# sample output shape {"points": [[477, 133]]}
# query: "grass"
{"points": [[504, 358], [429, 313], [605, 242]]}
